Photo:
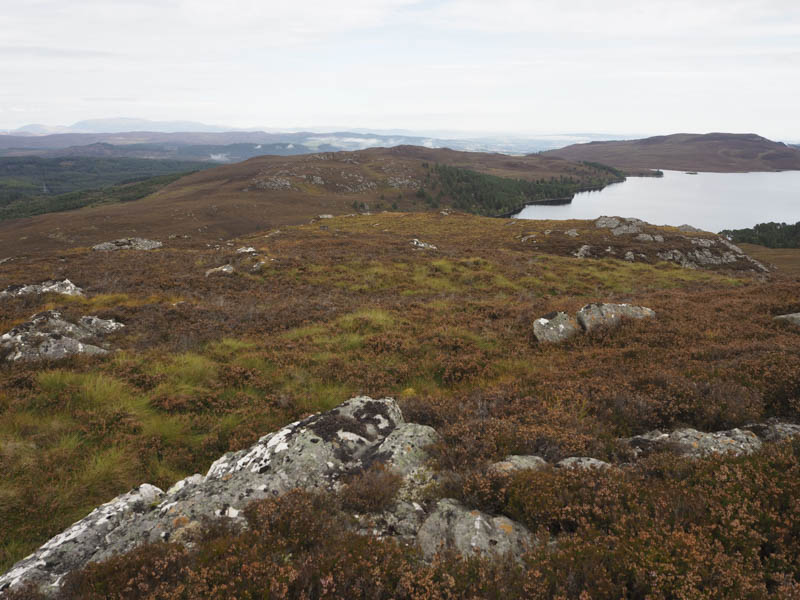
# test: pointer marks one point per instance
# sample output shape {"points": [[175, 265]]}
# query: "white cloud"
{"points": [[514, 65]]}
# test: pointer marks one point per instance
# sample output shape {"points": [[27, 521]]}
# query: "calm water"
{"points": [[710, 201]]}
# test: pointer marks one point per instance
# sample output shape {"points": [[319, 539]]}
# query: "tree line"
{"points": [[771, 235]]}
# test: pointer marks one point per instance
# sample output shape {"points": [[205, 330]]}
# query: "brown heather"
{"points": [[210, 364]]}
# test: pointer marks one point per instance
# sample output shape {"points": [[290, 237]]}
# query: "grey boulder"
{"points": [[555, 327], [599, 315], [452, 526]]}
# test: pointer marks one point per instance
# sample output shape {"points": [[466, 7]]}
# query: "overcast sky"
{"points": [[518, 66]]}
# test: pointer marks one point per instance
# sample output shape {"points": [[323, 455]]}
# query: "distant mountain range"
{"points": [[119, 125], [127, 132], [716, 152]]}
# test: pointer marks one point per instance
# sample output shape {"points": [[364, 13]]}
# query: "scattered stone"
{"points": [[658, 238], [593, 316], [572, 233], [583, 252], [223, 270], [6, 259], [132, 243], [697, 444], [518, 462], [324, 216], [65, 287], [582, 462], [629, 256], [793, 319], [422, 245], [689, 229], [452, 526], [48, 336], [245, 250], [525, 238], [645, 237], [555, 327]]}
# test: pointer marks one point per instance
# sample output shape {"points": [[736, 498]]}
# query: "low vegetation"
{"points": [[347, 306]]}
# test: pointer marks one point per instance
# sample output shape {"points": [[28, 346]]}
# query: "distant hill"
{"points": [[272, 191], [717, 152], [34, 185], [39, 138], [215, 153]]}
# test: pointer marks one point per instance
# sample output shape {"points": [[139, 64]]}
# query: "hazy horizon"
{"points": [[511, 67]]}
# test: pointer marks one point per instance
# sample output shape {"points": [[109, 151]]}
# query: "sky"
{"points": [[479, 66]]}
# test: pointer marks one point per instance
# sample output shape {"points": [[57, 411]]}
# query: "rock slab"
{"points": [[313, 454]]}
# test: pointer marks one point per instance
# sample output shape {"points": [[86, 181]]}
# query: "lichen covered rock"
{"points": [[555, 327], [313, 454], [65, 287], [600, 315], [696, 444], [452, 526], [48, 336], [131, 243]]}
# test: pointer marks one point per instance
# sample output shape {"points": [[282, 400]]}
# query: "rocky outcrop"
{"points": [[691, 252], [131, 243], [555, 327], [317, 453], [48, 336], [619, 225], [65, 287], [696, 444], [602, 315], [558, 327], [320, 453]]}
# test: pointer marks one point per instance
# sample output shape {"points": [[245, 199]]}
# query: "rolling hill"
{"points": [[716, 152], [272, 191]]}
